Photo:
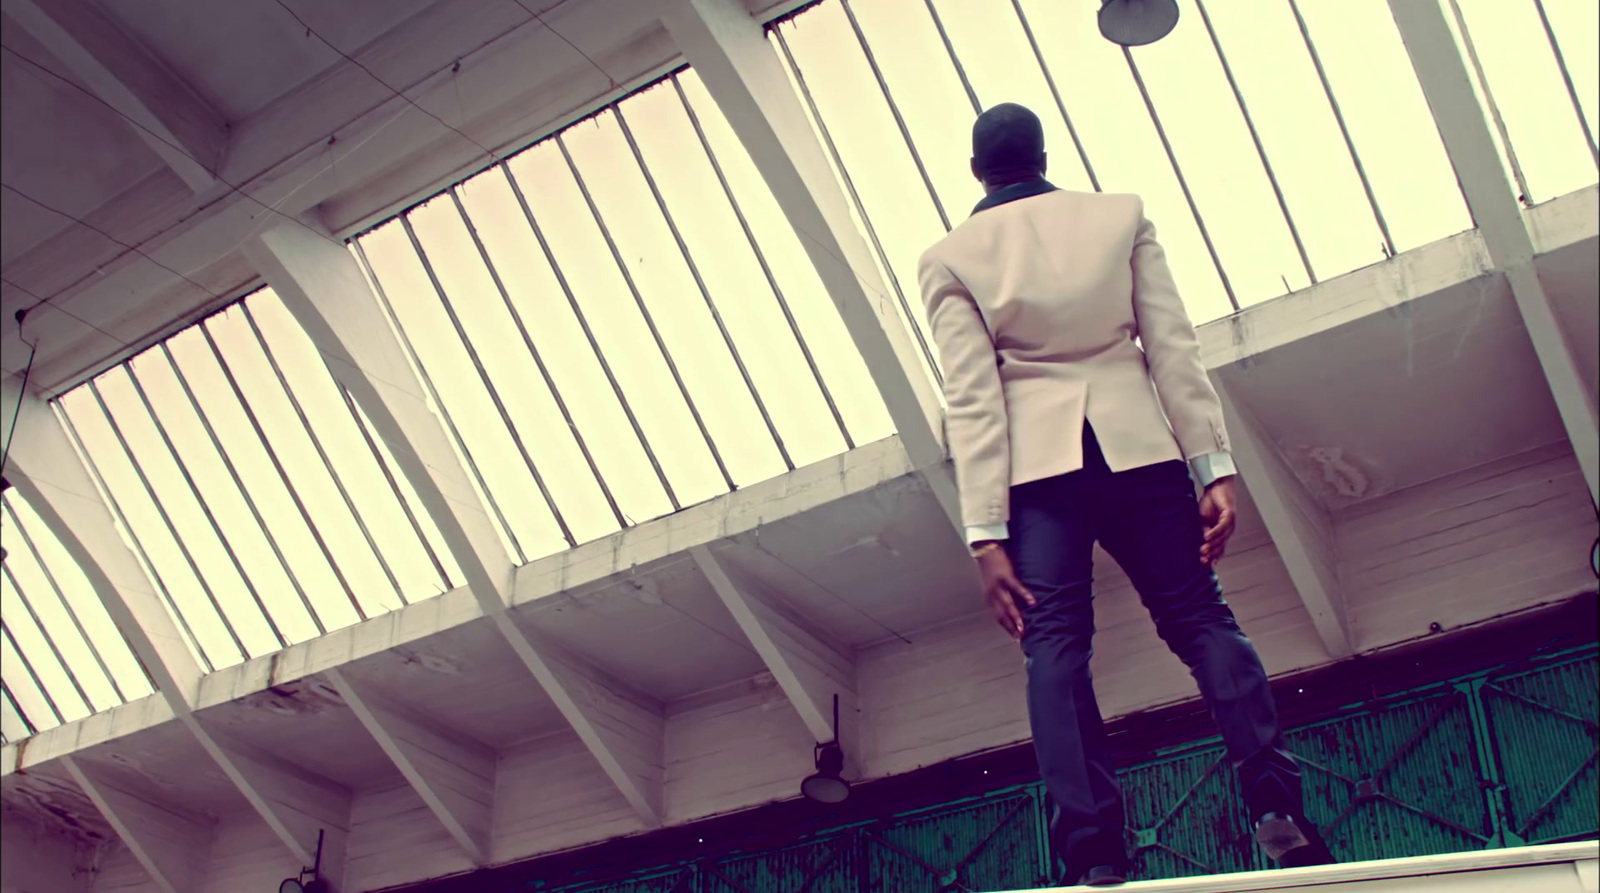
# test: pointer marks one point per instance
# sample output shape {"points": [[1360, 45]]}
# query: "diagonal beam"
{"points": [[732, 57], [324, 288], [809, 670], [623, 729], [162, 110], [46, 470], [455, 778], [171, 845], [1297, 522], [296, 806], [1459, 118]]}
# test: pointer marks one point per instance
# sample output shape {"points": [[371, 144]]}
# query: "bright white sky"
{"points": [[1388, 121]]}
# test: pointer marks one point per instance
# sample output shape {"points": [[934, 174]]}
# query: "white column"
{"points": [[323, 287], [1296, 521], [1493, 204], [45, 469], [731, 55]]}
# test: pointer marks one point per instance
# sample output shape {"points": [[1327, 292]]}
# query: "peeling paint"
{"points": [[1339, 474]]}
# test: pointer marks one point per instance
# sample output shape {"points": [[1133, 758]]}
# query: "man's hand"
{"points": [[1217, 512], [1001, 589]]}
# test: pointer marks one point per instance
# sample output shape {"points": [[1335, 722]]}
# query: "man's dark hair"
{"points": [[1007, 145]]}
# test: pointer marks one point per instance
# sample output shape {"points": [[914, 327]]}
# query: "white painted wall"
{"points": [[34, 860]]}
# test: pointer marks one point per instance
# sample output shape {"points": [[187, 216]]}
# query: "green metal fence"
{"points": [[1504, 757]]}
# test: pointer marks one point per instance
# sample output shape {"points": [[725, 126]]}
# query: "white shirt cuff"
{"points": [[1212, 467], [979, 533]]}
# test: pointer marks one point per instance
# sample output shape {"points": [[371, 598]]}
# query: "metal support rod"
{"points": [[1255, 137], [761, 259], [1524, 195], [205, 509], [438, 406], [588, 333], [238, 480], [283, 476], [644, 310], [27, 724], [61, 595], [488, 383], [1177, 170], [700, 284], [322, 453], [899, 120], [538, 361], [1566, 78], [950, 50], [120, 519], [1344, 130], [166, 519], [394, 488], [38, 683], [49, 640], [1055, 93], [861, 211]]}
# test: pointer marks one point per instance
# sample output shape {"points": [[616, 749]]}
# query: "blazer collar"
{"points": [[1019, 190]]}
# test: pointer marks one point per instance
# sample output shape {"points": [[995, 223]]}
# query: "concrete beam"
{"points": [[169, 844], [298, 808], [455, 778], [1297, 523], [162, 110], [324, 288], [46, 470], [624, 731], [731, 55], [809, 670], [1493, 203]]}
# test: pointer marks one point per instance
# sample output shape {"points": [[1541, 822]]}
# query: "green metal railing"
{"points": [[1503, 757]]}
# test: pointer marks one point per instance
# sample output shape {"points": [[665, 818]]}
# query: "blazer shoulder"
{"points": [[1126, 202]]}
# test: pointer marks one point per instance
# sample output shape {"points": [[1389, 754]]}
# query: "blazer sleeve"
{"points": [[1172, 351], [975, 418]]}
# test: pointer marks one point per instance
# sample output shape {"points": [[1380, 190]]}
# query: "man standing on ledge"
{"points": [[1076, 393]]}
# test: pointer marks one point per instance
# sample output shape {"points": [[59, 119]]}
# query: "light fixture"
{"points": [[827, 785], [307, 881], [1135, 23]]}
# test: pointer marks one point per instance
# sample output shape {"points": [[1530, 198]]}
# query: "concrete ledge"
{"points": [[1555, 868], [859, 470]]}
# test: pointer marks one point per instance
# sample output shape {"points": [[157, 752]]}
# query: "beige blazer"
{"points": [[1052, 309]]}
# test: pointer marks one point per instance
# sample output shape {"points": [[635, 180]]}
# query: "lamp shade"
{"points": [[826, 786], [1135, 23]]}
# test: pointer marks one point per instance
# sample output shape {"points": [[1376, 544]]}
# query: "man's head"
{"points": [[1007, 146]]}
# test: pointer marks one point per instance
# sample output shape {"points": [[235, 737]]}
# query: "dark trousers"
{"points": [[1148, 520]]}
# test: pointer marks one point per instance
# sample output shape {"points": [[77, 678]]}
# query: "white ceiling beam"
{"points": [[809, 670], [623, 729], [455, 778], [322, 285], [324, 288], [733, 58], [296, 806], [160, 108], [171, 845], [1493, 203], [1296, 521], [46, 470]]}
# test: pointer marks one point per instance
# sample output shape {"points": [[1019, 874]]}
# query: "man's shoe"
{"points": [[1102, 876], [1288, 844]]}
